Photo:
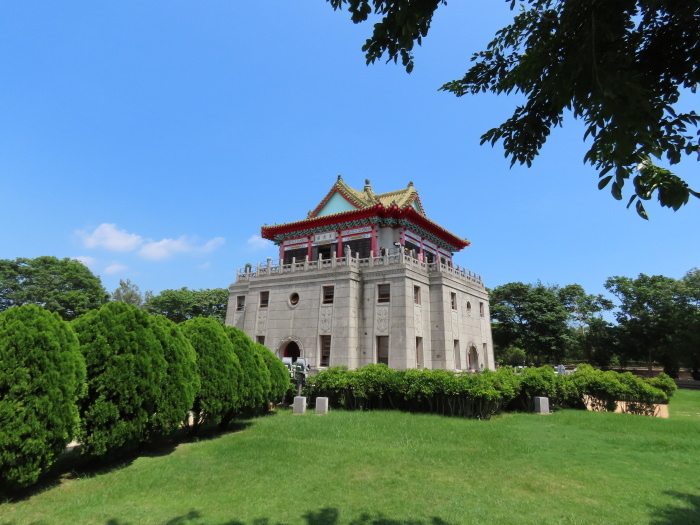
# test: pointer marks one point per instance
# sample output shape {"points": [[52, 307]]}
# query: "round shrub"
{"points": [[42, 375], [181, 382], [255, 379], [125, 372], [218, 398], [279, 375]]}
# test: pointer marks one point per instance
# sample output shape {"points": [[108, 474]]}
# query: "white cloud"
{"points": [[115, 268], [212, 245], [163, 249], [86, 260], [109, 237], [255, 243]]}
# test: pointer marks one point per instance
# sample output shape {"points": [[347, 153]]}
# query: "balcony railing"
{"points": [[275, 268]]}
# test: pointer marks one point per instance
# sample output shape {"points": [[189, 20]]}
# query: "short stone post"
{"points": [[321, 406], [541, 405], [299, 406]]}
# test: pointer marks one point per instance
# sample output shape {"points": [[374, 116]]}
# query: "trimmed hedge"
{"points": [[484, 394]]}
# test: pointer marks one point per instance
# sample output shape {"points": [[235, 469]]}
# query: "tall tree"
{"points": [[64, 286], [180, 305], [531, 317], [650, 313], [128, 293], [42, 374], [619, 66]]}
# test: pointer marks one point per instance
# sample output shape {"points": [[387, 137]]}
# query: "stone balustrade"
{"points": [[270, 269]]}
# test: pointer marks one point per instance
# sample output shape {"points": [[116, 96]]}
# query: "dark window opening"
{"points": [[325, 350], [383, 293], [383, 349], [328, 294]]}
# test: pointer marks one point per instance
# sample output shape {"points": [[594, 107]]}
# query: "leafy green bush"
{"points": [[181, 382], [278, 373], [254, 383], [600, 390], [218, 399], [42, 374], [639, 396], [664, 383], [126, 369]]}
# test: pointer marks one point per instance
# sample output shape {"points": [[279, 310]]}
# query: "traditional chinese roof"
{"points": [[367, 198], [344, 207]]}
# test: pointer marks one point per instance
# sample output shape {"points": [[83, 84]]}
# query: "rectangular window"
{"points": [[328, 294], [260, 339], [383, 293], [453, 300], [416, 294], [481, 309], [325, 350], [383, 349], [240, 302], [264, 299]]}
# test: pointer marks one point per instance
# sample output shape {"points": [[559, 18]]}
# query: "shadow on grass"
{"points": [[685, 512], [327, 516], [72, 465]]}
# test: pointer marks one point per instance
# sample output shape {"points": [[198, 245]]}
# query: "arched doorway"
{"points": [[473, 358], [291, 349]]}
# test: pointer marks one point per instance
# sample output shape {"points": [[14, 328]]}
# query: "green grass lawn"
{"points": [[391, 468]]}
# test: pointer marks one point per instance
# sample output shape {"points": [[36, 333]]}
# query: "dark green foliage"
{"points": [[279, 375], [180, 305], [652, 317], [621, 67], [531, 317], [64, 286], [255, 378], [125, 371], [42, 374], [218, 399], [510, 355], [181, 379]]}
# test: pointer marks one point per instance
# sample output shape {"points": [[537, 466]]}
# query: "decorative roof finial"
{"points": [[366, 182], [340, 177], [410, 184]]}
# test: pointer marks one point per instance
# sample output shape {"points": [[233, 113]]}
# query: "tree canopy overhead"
{"points": [[64, 286], [620, 66]]}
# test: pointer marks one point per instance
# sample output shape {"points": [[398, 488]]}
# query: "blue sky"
{"points": [[152, 139]]}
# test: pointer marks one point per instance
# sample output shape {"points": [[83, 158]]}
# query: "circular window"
{"points": [[294, 299]]}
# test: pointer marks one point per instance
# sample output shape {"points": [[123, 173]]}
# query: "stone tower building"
{"points": [[365, 278]]}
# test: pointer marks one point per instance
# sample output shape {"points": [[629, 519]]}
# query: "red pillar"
{"points": [[374, 240]]}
